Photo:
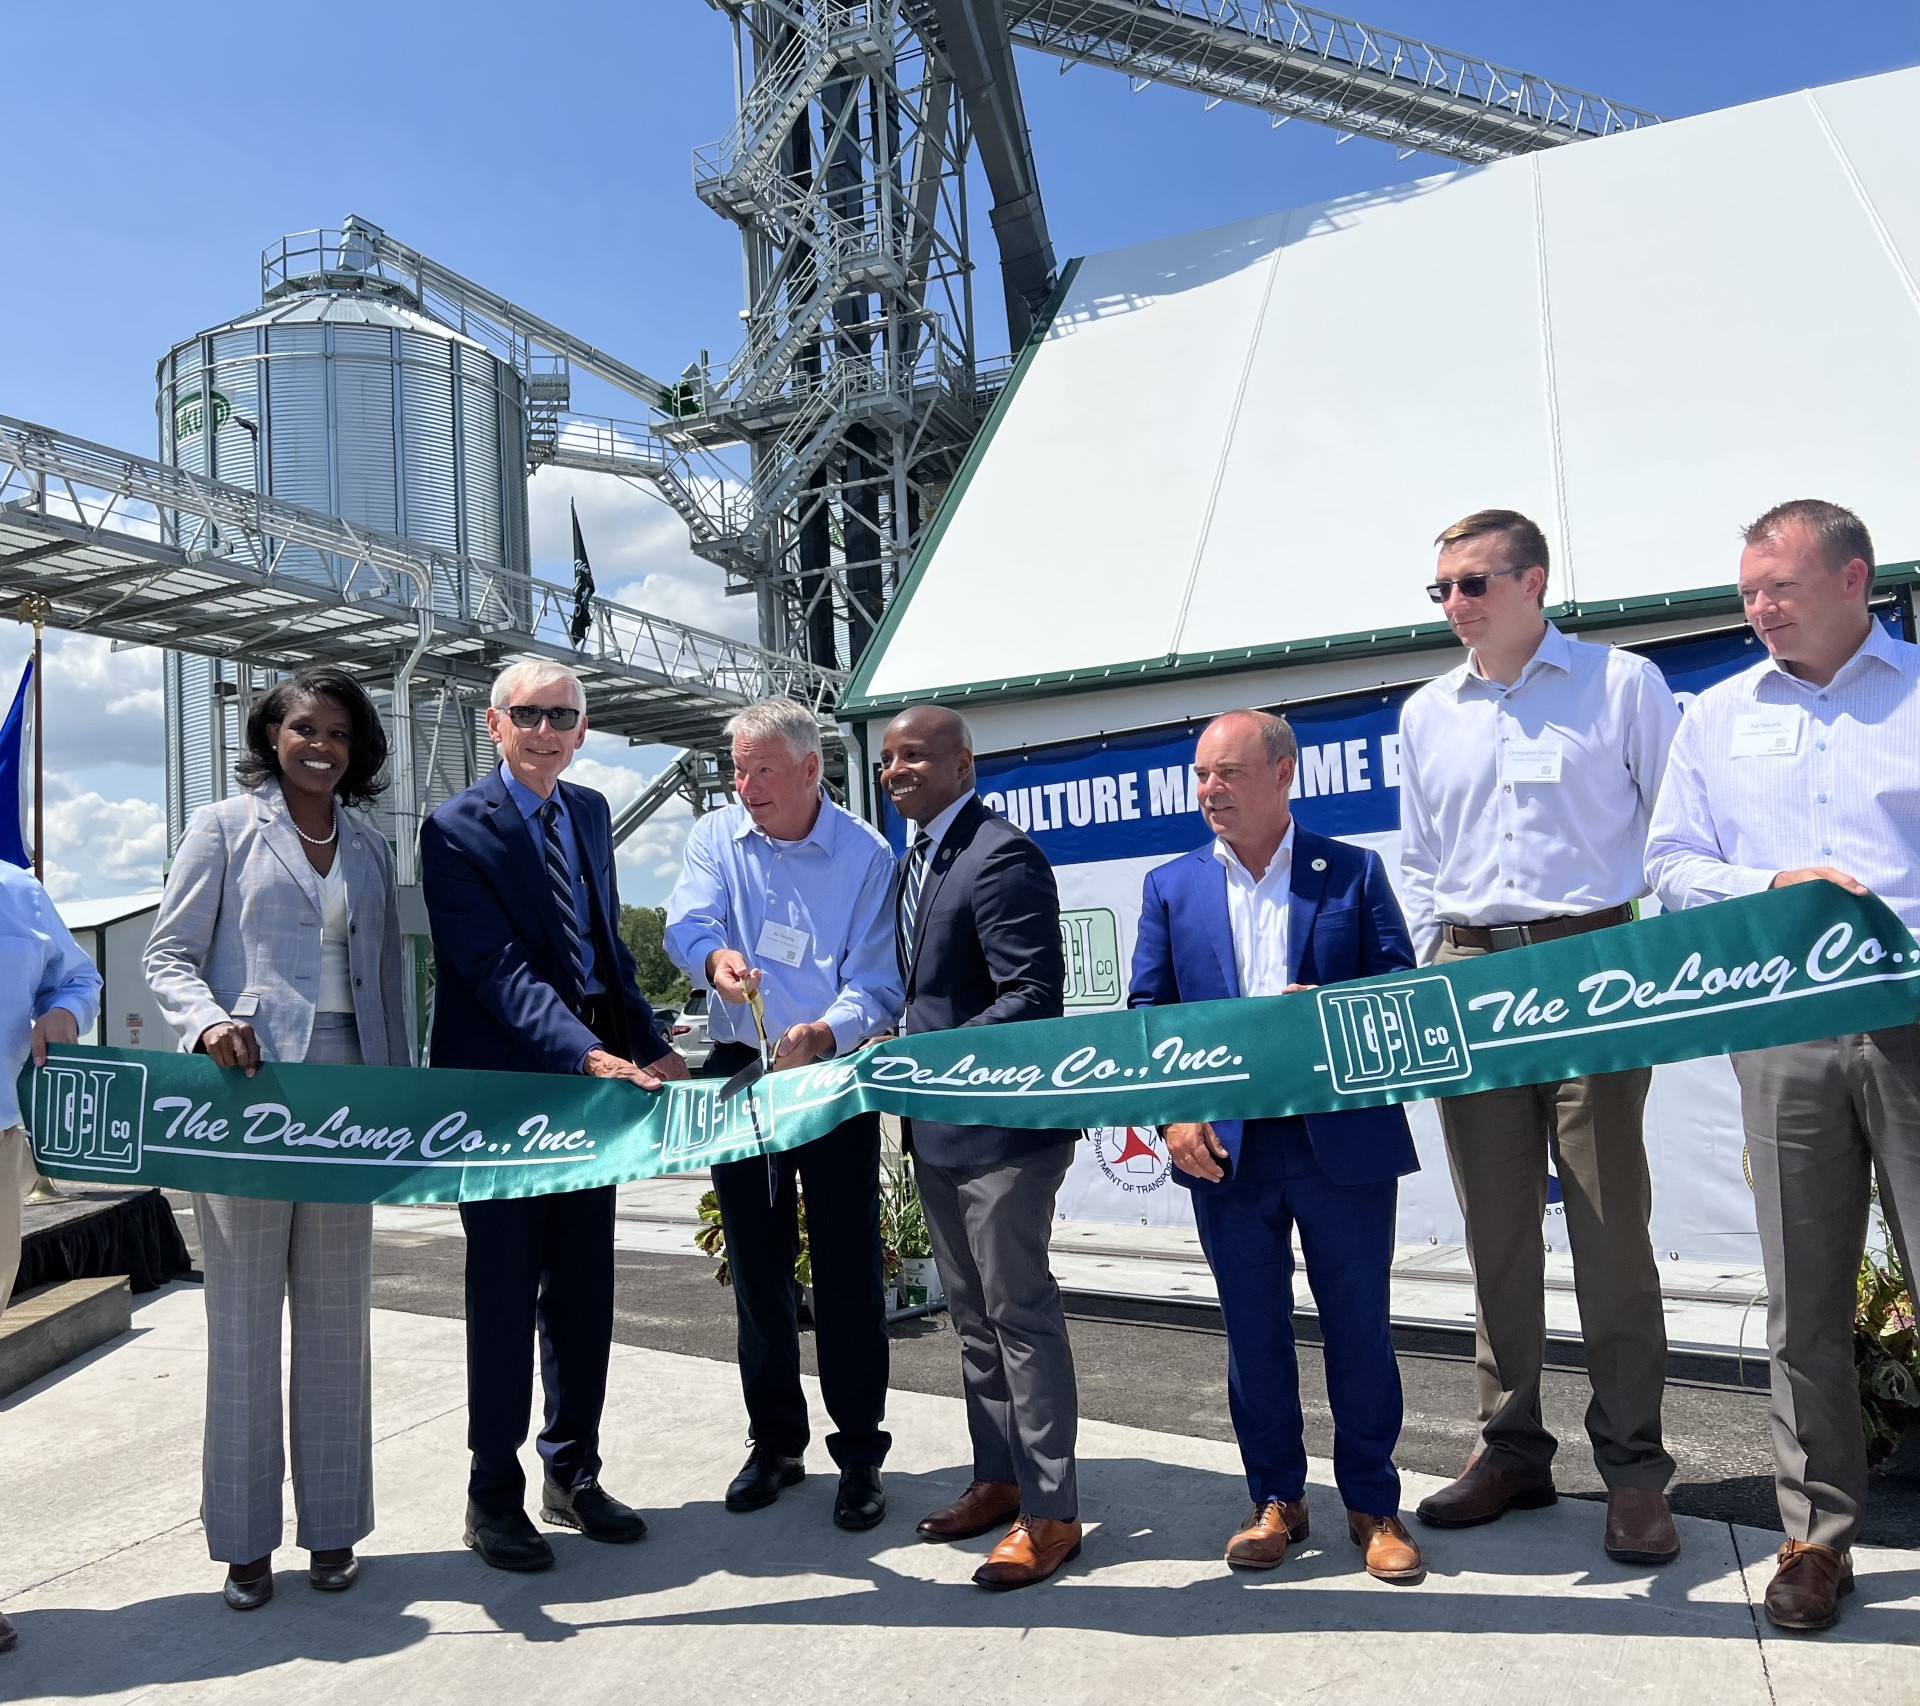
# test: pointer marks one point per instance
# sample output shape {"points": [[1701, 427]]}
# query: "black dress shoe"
{"points": [[508, 1542], [763, 1480], [247, 1593], [333, 1572], [591, 1510], [861, 1501]]}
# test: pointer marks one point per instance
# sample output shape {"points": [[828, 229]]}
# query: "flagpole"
{"points": [[36, 607]]}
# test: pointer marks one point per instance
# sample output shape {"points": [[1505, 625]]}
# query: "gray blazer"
{"points": [[238, 933]]}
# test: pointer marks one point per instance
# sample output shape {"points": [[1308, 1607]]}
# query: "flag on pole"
{"points": [[16, 774], [582, 583]]}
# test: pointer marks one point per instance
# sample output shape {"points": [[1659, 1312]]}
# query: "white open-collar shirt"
{"points": [[1485, 838], [1771, 773], [1257, 915]]}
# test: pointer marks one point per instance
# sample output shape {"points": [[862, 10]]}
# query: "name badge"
{"points": [[1767, 734], [781, 943], [1531, 761]]}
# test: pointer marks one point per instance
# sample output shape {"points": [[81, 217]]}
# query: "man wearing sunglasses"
{"points": [[533, 977], [1528, 777]]}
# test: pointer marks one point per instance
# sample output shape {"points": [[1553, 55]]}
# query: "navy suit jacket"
{"points": [[1342, 922], [503, 972], [986, 951]]}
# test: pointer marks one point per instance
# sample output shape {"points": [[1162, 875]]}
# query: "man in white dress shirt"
{"points": [[1528, 775], [1807, 767]]}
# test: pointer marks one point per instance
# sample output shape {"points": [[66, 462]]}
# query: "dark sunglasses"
{"points": [[561, 718], [1468, 586]]}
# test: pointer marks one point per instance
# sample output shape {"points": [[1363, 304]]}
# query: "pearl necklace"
{"points": [[316, 840]]}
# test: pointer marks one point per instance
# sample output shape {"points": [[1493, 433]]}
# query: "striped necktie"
{"points": [[910, 887], [561, 880]]}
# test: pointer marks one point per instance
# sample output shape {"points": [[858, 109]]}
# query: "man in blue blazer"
{"points": [[977, 931], [1268, 908], [532, 976]]}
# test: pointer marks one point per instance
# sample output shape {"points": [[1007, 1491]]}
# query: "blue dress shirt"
{"points": [[41, 968], [530, 805], [835, 886]]}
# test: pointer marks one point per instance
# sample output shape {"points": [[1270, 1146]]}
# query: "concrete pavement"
{"points": [[103, 1567]]}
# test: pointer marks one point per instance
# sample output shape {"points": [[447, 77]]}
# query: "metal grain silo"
{"points": [[340, 393]]}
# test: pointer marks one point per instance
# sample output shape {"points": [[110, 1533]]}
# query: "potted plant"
{"points": [[711, 1240], [903, 1223], [1886, 1355]]}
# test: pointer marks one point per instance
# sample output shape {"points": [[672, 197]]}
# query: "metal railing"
{"points": [[91, 494], [1298, 62]]}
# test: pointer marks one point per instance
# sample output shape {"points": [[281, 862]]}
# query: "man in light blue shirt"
{"points": [[49, 993], [787, 896]]}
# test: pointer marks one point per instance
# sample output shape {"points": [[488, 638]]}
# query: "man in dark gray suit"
{"points": [[978, 920]]}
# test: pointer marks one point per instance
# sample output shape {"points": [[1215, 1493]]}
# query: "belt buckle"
{"points": [[1501, 936]]}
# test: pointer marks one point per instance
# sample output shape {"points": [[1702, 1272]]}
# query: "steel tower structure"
{"points": [[859, 386]]}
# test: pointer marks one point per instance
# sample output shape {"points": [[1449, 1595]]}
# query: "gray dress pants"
{"points": [[1498, 1146], [989, 1228], [316, 1258], [1822, 1120]]}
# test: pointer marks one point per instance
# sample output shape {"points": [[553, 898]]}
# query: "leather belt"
{"points": [[1493, 937]]}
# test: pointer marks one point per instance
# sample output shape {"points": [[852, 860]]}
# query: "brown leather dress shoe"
{"points": [[1262, 1539], [1640, 1527], [1391, 1553], [1033, 1549], [1482, 1494], [984, 1506], [1805, 1590]]}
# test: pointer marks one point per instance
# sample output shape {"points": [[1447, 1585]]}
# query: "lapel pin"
{"points": [[1319, 864]]}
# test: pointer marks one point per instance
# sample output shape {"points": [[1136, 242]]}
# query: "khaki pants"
{"points": [[1498, 1146], [1822, 1120], [16, 1179]]}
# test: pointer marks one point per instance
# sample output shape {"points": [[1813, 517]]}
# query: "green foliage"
{"points": [[661, 981], [902, 1224], [903, 1221], [1886, 1355]]}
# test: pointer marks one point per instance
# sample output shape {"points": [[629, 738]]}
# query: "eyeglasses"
{"points": [[560, 718], [1470, 586]]}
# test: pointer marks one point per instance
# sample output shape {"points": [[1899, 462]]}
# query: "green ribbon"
{"points": [[1781, 967]]}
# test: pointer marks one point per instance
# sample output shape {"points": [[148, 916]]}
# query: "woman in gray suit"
{"points": [[278, 938]]}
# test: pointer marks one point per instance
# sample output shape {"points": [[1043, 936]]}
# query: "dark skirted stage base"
{"points": [[94, 1233]]}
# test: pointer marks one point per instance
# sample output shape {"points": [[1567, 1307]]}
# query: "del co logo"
{"points": [[1393, 1036], [87, 1114]]}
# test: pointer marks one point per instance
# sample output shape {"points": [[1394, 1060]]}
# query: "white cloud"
{"points": [[638, 546], [98, 847], [102, 706], [649, 859]]}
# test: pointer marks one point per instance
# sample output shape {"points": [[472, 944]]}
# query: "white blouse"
{"points": [[336, 974]]}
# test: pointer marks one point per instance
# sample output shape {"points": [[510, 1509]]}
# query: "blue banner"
{"points": [[1131, 796], [14, 777]]}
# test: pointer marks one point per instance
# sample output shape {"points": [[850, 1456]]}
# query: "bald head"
{"points": [[926, 761]]}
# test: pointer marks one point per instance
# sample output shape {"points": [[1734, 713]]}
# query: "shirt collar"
{"points": [[1282, 857], [1555, 651], [528, 802], [1879, 646], [936, 832], [820, 835]]}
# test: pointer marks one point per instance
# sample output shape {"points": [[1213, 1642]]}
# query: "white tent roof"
{"points": [[1238, 444], [98, 914]]}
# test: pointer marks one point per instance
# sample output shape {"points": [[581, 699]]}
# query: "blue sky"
{"points": [[156, 149]]}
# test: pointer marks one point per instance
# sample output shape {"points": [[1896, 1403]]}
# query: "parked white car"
{"points": [[688, 1033]]}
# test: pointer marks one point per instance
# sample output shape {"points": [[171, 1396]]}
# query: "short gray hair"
{"points": [[530, 675], [778, 719], [1276, 733]]}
